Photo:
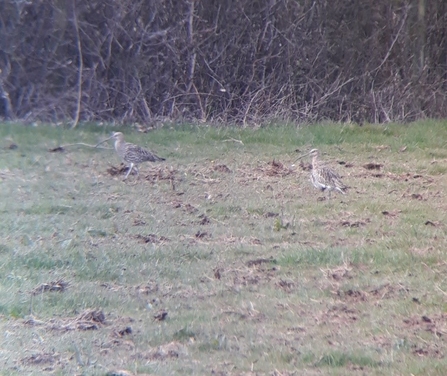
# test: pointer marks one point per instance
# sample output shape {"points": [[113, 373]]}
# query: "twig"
{"points": [[190, 36], [216, 220], [244, 120], [445, 293], [77, 355], [234, 140], [80, 68], [394, 41], [83, 144]]}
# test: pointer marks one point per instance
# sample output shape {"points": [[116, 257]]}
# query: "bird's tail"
{"points": [[339, 186]]}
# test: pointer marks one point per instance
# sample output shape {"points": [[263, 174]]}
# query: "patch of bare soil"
{"points": [[188, 208], [122, 332], [352, 224], [162, 173], [254, 275], [148, 288], [59, 286], [345, 219], [339, 314], [287, 286], [260, 261], [428, 350], [202, 235], [386, 291], [275, 168], [58, 149], [353, 296], [222, 168], [374, 170], [345, 164], [436, 324], [151, 238], [406, 177], [430, 223], [173, 349], [139, 222], [373, 166], [206, 237], [338, 274], [271, 169], [41, 359], [204, 220], [114, 171], [305, 166], [331, 225], [146, 294], [161, 315], [391, 214], [121, 372]]}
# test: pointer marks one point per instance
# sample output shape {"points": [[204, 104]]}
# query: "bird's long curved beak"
{"points": [[101, 142], [301, 156]]}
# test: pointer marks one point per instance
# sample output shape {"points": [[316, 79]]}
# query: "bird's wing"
{"points": [[140, 154], [333, 177]]}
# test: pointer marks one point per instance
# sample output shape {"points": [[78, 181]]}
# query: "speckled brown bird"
{"points": [[323, 177], [132, 154]]}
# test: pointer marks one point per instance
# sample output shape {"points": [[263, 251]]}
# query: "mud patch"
{"points": [[114, 171], [435, 324], [164, 352], [59, 286], [151, 238], [222, 168]]}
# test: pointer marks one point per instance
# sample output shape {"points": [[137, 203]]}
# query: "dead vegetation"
{"points": [[185, 60], [59, 286], [87, 320]]}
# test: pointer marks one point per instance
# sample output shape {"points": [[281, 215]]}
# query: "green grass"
{"points": [[255, 272]]}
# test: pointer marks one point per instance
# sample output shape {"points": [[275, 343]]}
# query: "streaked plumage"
{"points": [[323, 177], [132, 154]]}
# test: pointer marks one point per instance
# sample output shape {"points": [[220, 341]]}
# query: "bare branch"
{"points": [[80, 67]]}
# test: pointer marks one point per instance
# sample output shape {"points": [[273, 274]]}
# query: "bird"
{"points": [[132, 154], [323, 177]]}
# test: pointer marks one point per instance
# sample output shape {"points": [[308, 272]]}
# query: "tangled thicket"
{"points": [[230, 61]]}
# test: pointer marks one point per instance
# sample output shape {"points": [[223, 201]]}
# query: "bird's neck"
{"points": [[119, 144]]}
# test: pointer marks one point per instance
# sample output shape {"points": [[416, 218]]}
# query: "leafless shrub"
{"points": [[243, 62]]}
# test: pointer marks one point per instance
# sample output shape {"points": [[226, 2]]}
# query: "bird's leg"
{"points": [[130, 170]]}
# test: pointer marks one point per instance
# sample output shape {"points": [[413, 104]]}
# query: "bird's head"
{"points": [[117, 136], [313, 153]]}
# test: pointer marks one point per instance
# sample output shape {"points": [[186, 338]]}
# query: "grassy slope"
{"points": [[355, 284]]}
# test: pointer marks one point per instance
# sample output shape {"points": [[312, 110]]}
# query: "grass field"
{"points": [[224, 260]]}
